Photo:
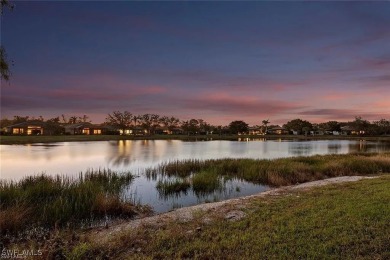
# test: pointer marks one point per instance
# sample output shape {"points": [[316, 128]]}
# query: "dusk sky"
{"points": [[219, 61]]}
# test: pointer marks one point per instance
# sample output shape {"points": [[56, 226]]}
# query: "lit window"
{"points": [[97, 131], [17, 131]]}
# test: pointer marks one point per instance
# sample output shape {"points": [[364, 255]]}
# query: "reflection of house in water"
{"points": [[334, 148], [246, 139], [124, 152], [360, 146], [300, 148], [27, 128], [121, 152]]}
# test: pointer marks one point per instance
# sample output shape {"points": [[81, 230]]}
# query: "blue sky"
{"points": [[219, 61]]}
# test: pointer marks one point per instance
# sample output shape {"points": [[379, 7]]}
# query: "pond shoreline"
{"points": [[11, 140], [225, 219], [230, 209]]}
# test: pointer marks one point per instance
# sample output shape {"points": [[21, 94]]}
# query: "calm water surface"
{"points": [[70, 158]]}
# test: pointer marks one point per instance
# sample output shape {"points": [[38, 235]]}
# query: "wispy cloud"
{"points": [[343, 114]]}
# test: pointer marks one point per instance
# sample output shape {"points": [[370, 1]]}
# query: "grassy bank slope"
{"points": [[344, 221]]}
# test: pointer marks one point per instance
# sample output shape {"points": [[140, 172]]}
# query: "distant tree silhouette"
{"points": [[190, 126], [330, 126], [383, 126], [53, 126], [146, 122], [360, 124], [298, 125], [122, 120], [20, 119], [238, 127], [265, 125]]}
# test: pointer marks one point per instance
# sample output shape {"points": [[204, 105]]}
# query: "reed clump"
{"points": [[167, 188], [201, 183], [206, 182], [58, 200]]}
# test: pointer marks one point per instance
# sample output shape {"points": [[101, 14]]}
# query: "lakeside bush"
{"points": [[58, 200]]}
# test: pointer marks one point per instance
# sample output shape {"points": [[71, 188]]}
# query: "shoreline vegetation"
{"points": [[10, 140], [54, 201], [49, 212], [61, 201], [331, 221], [207, 176], [347, 220]]}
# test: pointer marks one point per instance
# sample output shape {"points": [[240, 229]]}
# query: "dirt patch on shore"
{"points": [[229, 209]]}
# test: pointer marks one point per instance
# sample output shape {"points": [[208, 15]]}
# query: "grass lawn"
{"points": [[345, 221]]}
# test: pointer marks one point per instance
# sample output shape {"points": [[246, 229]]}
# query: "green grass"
{"points": [[206, 182], [344, 221], [55, 201], [279, 172], [10, 139]]}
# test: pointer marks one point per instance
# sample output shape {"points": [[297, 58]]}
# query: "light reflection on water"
{"points": [[70, 158]]}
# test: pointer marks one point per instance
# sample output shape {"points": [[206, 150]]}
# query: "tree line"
{"points": [[152, 123]]}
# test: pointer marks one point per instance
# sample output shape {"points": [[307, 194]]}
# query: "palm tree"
{"points": [[4, 63], [148, 122], [265, 124], [155, 122], [136, 119], [73, 120]]}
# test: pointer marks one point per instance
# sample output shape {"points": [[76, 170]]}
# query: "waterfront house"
{"points": [[277, 130], [85, 128], [255, 130], [137, 130], [349, 130], [27, 128]]}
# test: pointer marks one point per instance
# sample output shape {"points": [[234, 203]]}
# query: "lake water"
{"points": [[71, 158]]}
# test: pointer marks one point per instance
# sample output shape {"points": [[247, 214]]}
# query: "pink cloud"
{"points": [[238, 105], [382, 104], [336, 96]]}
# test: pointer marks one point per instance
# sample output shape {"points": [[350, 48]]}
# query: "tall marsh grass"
{"points": [[278, 172], [206, 182], [58, 200], [168, 188], [202, 183]]}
